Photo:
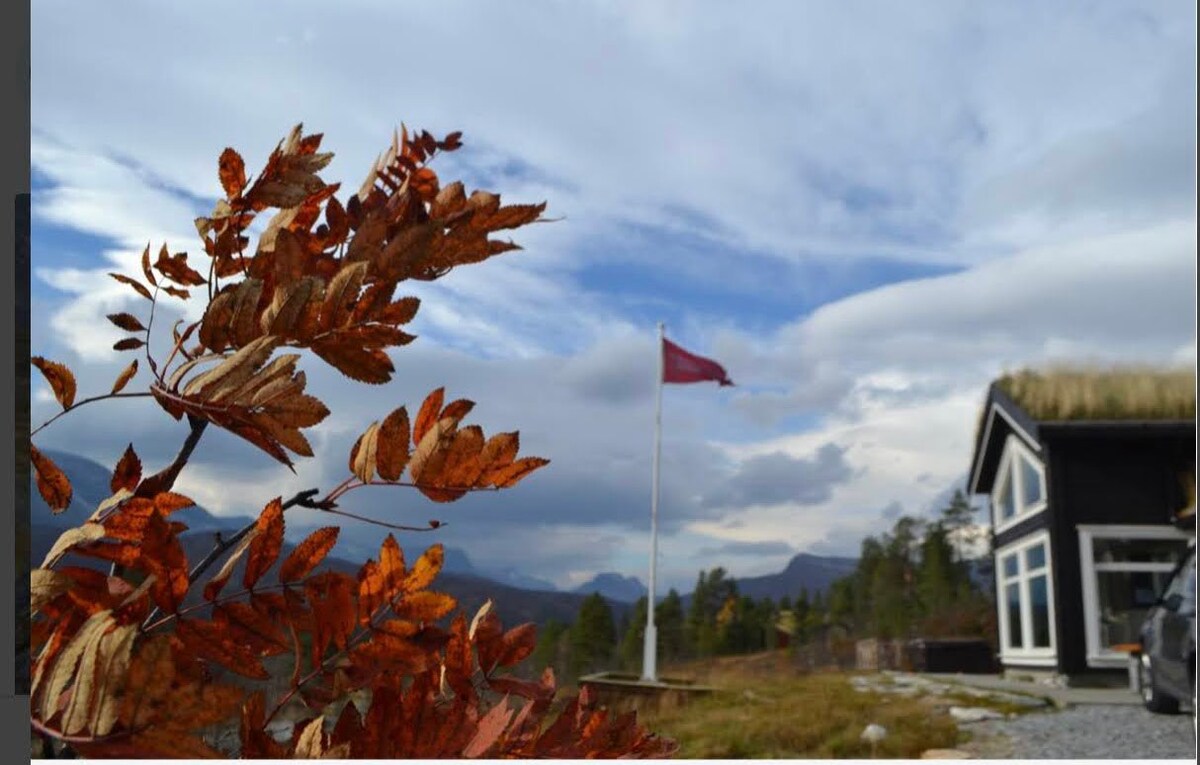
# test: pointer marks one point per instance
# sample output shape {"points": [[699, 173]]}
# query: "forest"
{"points": [[912, 580]]}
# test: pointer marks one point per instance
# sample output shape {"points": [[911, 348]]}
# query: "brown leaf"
{"points": [[127, 322], [52, 483], [128, 473], [146, 266], [517, 644], [456, 410], [44, 586], [62, 381], [150, 676], [88, 532], [163, 557], [125, 376], [391, 455], [308, 554], [232, 172], [175, 268], [137, 286], [167, 502], [210, 641], [267, 543], [128, 344], [428, 414], [332, 599], [489, 730]]}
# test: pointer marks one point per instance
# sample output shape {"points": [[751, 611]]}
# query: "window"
{"points": [[1020, 488], [1027, 612], [1124, 570]]}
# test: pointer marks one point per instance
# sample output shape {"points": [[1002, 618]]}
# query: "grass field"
{"points": [[764, 710]]}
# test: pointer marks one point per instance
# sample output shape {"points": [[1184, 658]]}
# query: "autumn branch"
{"points": [[80, 403]]}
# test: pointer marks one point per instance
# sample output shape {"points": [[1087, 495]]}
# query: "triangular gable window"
{"points": [[1020, 487]]}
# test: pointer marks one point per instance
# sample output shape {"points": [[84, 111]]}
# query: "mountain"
{"points": [[814, 573], [514, 578], [614, 587]]}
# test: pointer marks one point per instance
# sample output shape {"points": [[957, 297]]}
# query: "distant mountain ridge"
{"points": [[613, 586]]}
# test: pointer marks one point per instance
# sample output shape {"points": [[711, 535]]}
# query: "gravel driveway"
{"points": [[1086, 732]]}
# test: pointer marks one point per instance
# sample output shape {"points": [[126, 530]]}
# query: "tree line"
{"points": [[910, 581]]}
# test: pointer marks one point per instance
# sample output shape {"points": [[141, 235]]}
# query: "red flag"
{"points": [[680, 366]]}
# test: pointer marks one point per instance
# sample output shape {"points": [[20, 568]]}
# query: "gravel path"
{"points": [[1086, 732]]}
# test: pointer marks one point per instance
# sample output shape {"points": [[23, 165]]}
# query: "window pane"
{"points": [[1124, 597], [1040, 611], [1031, 483], [1010, 566], [1139, 550], [1013, 599], [1184, 584], [1004, 497], [1035, 557]]}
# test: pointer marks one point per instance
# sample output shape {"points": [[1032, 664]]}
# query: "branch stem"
{"points": [[80, 403]]}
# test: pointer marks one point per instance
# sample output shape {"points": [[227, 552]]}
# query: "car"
{"points": [[1166, 662]]}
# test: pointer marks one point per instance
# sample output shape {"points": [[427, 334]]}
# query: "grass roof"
{"points": [[1120, 393]]}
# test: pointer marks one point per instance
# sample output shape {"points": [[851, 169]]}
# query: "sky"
{"points": [[865, 211]]}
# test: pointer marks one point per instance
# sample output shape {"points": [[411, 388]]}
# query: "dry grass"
{"points": [[1122, 393], [785, 716]]}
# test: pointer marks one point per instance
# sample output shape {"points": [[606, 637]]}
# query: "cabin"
{"points": [[1091, 480]]}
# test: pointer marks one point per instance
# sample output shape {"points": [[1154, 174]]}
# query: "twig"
{"points": [[385, 524], [78, 404], [46, 730], [164, 479]]}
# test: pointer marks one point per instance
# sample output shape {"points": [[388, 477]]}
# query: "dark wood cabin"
{"points": [[1091, 477]]}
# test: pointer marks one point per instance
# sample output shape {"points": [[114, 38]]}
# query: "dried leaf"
{"points": [[428, 414], [128, 473], [88, 532], [232, 172], [364, 457], [489, 730], [213, 589], [425, 606], [62, 381], [391, 455], [267, 543], [308, 554], [163, 557], [52, 483], [125, 376], [128, 344], [82, 644], [44, 586], [311, 745], [511, 475], [425, 570], [127, 322], [137, 286]]}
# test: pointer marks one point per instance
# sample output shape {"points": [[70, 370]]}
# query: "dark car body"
{"points": [[1167, 662]]}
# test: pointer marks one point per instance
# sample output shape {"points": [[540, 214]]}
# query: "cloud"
{"points": [[865, 229], [772, 479]]}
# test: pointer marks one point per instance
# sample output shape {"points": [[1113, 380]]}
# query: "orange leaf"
{"points": [[391, 566], [364, 454], [371, 591], [168, 502], [267, 543], [456, 410], [51, 482], [128, 473], [232, 172], [489, 730], [308, 554], [425, 606], [332, 599], [127, 322], [217, 583], [61, 380], [511, 475], [391, 453], [175, 268], [125, 376], [425, 570], [428, 414]]}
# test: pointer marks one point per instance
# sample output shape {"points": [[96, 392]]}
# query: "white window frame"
{"points": [[1009, 470], [1036, 657], [1088, 533]]}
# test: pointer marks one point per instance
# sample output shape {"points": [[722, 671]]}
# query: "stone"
{"points": [[974, 714], [946, 754]]}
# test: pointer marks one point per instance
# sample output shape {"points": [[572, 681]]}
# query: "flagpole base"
{"points": [[649, 654]]}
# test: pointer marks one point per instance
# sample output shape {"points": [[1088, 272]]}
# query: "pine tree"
{"points": [[593, 636]]}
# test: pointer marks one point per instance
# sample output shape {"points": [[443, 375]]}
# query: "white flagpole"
{"points": [[650, 647]]}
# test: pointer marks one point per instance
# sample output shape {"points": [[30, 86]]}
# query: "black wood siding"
{"points": [[1103, 480]]}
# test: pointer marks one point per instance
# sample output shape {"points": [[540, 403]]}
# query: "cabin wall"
{"points": [[1103, 481]]}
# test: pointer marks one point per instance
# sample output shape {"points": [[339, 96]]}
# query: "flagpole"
{"points": [[650, 647]]}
